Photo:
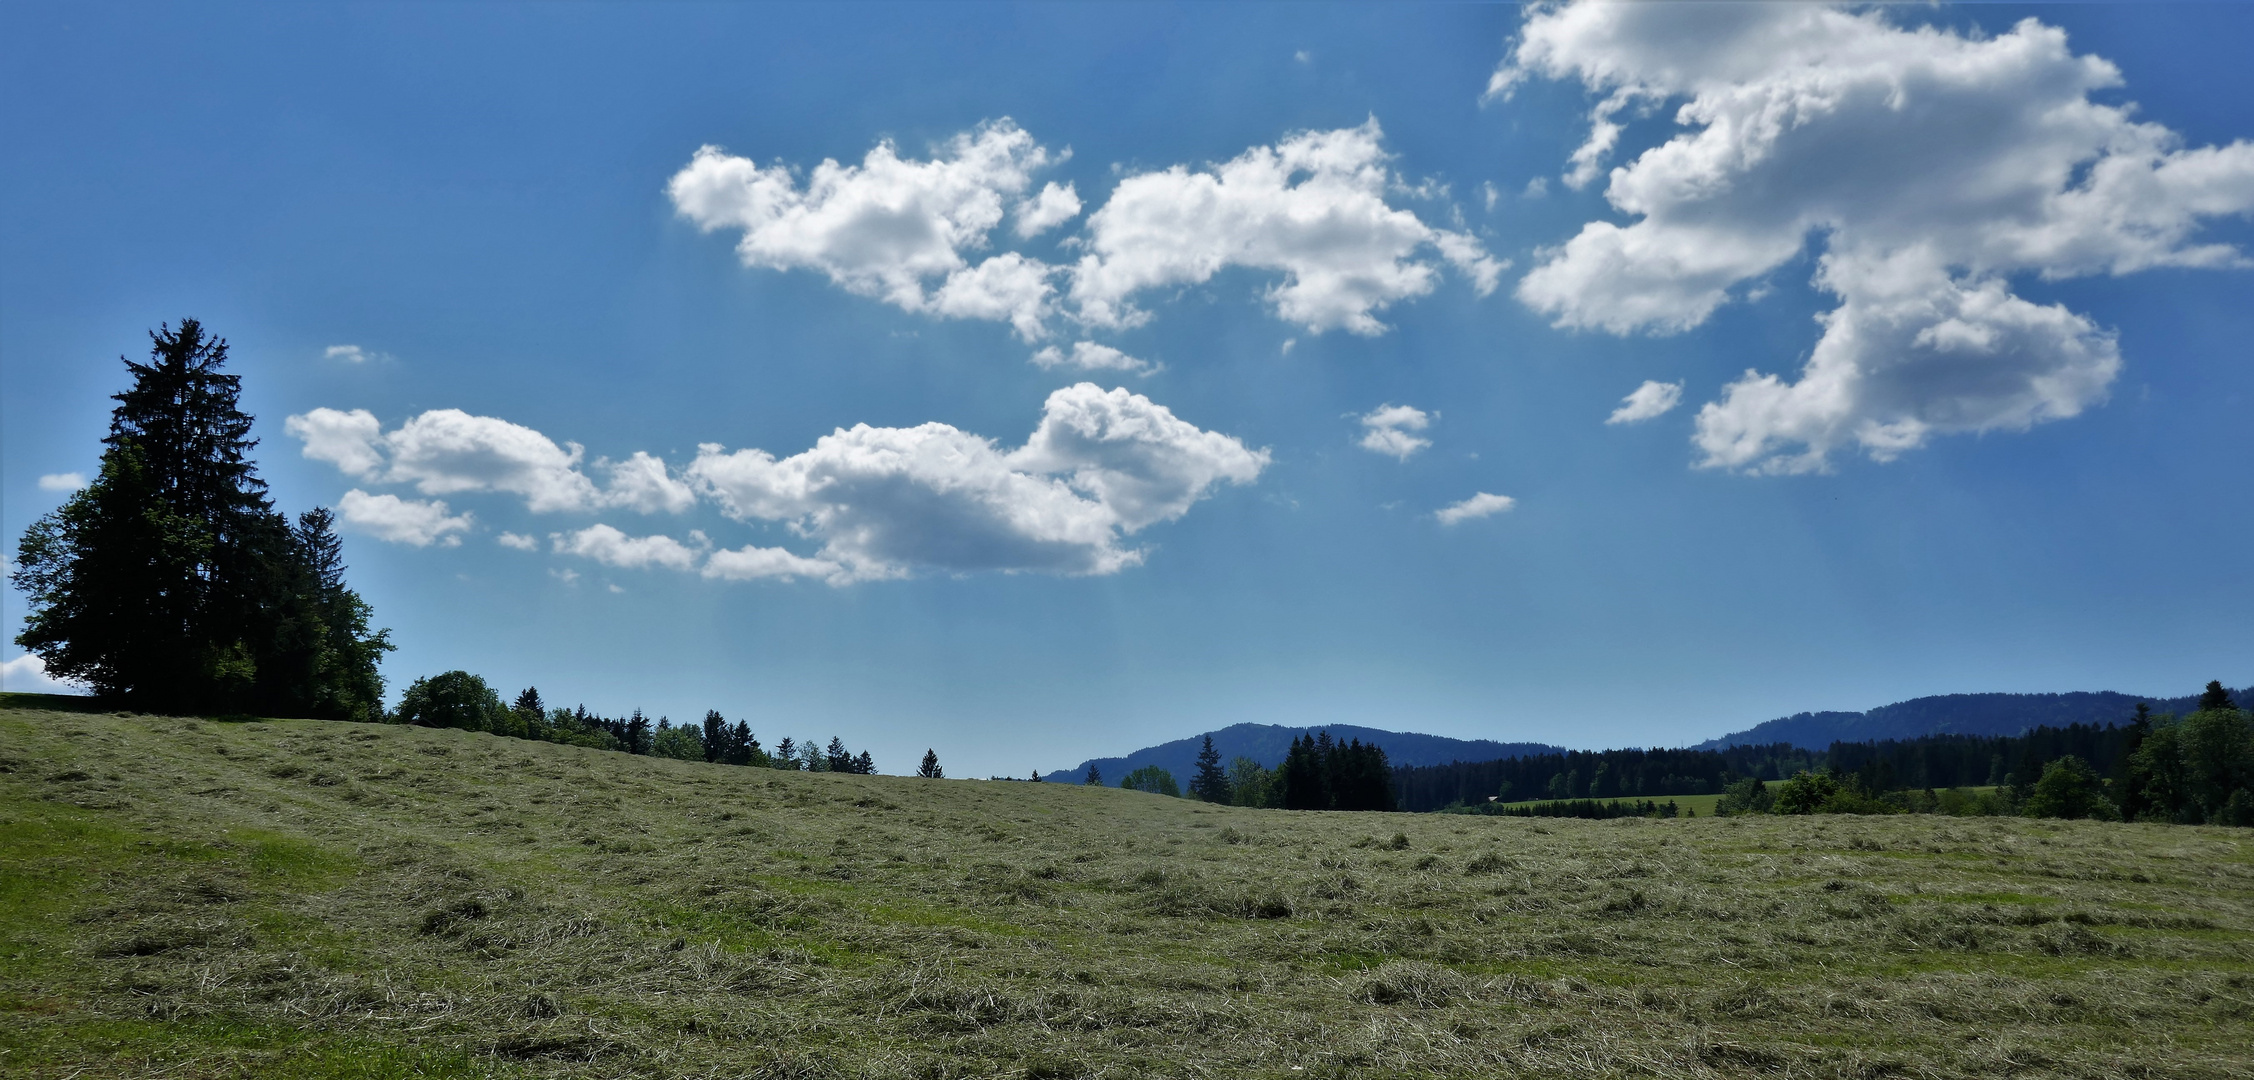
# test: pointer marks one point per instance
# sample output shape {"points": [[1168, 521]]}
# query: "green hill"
{"points": [[190, 898]]}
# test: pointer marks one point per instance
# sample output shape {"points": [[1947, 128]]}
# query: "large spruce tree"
{"points": [[172, 583]]}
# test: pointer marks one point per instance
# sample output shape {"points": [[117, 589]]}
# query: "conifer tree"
{"points": [[840, 759], [715, 736], [743, 746], [2216, 697], [637, 733], [1095, 776], [864, 765], [1210, 783], [930, 769]]}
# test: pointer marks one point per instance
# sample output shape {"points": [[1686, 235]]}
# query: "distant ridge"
{"points": [[1267, 744], [1955, 714]]}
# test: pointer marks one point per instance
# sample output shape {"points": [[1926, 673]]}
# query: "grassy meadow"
{"points": [[192, 898]]}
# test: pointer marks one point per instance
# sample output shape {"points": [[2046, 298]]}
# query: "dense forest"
{"points": [[2198, 768]]}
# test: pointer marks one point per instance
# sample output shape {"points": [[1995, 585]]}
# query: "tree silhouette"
{"points": [[1210, 783], [930, 769]]}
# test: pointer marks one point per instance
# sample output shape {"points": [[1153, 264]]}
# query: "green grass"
{"points": [[187, 898]]}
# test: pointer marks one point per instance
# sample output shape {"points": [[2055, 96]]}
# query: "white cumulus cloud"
{"points": [[1929, 167], [1312, 207], [351, 354], [1478, 506], [642, 483], [886, 227], [609, 546], [1391, 430], [62, 481], [518, 541], [887, 501], [401, 521], [448, 451], [1090, 356], [1055, 205], [1652, 399], [351, 441], [27, 674], [751, 563]]}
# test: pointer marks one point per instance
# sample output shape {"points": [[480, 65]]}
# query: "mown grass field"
{"points": [[189, 898]]}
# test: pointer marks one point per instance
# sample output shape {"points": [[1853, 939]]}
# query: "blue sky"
{"points": [[455, 240]]}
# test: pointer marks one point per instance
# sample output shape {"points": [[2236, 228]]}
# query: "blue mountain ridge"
{"points": [[1956, 714], [1940, 714], [1267, 744]]}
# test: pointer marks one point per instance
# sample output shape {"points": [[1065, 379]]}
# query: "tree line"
{"points": [[458, 699], [2198, 768], [1317, 773]]}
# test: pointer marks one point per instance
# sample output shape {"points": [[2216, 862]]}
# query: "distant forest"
{"points": [[2156, 767]]}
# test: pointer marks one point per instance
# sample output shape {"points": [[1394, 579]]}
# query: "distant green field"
{"points": [[1700, 805], [189, 898]]}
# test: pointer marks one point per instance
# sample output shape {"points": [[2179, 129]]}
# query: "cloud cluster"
{"points": [[63, 481], [1101, 466], [889, 226], [448, 451], [1311, 208], [1390, 430], [883, 502], [1929, 166], [414, 522]]}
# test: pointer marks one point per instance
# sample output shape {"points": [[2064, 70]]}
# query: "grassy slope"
{"points": [[190, 898]]}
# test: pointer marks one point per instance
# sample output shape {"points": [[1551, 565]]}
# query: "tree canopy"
{"points": [[172, 583]]}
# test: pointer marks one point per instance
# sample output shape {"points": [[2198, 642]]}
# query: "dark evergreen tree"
{"points": [[528, 705], [930, 769], [636, 735], [840, 760], [1095, 777], [743, 746], [864, 765], [1036, 777], [716, 741], [1301, 776], [786, 753], [1210, 783], [2216, 698]]}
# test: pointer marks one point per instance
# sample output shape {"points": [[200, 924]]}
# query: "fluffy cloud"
{"points": [[1652, 399], [62, 481], [448, 451], [1478, 506], [518, 541], [886, 501], [1089, 356], [611, 547], [348, 440], [1389, 429], [1930, 167], [1311, 207], [1055, 205], [753, 563], [27, 674], [642, 483], [444, 451], [885, 227], [401, 521], [351, 354]]}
